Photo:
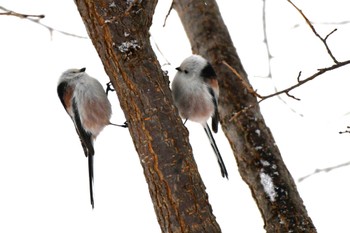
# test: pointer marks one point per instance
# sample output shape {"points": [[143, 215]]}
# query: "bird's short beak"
{"points": [[82, 69], [178, 69]]}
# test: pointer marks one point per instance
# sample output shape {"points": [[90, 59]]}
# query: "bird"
{"points": [[195, 92], [86, 102]]}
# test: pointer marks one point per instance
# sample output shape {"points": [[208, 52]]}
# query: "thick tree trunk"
{"points": [[119, 32], [258, 158]]}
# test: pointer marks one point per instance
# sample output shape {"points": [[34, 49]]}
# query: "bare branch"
{"points": [[292, 96], [160, 51], [326, 23], [301, 82], [345, 131], [287, 90], [324, 40], [327, 169], [270, 56], [266, 41], [330, 34], [167, 15], [36, 19], [331, 23], [12, 13], [299, 75], [245, 84]]}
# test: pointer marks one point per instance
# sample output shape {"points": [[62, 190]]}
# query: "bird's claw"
{"points": [[109, 88]]}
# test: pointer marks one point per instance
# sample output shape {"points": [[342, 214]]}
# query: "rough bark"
{"points": [[256, 153], [119, 32]]}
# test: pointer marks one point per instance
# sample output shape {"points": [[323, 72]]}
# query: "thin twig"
{"points": [[327, 169], [161, 53], [269, 57], [167, 15], [245, 84], [345, 131], [326, 23], [12, 13], [301, 82], [36, 19], [287, 90], [266, 42], [320, 71], [324, 40]]}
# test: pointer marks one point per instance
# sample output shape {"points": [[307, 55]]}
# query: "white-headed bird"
{"points": [[195, 92], [86, 103]]}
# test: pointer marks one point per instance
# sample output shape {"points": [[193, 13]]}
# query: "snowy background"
{"points": [[43, 171]]}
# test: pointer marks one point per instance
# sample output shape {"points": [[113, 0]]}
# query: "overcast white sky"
{"points": [[43, 170]]}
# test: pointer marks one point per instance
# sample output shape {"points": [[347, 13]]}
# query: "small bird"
{"points": [[195, 92], [86, 103]]}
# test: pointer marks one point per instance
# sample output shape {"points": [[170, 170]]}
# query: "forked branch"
{"points": [[300, 81]]}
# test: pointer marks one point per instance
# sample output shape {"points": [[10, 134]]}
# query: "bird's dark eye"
{"points": [[186, 72]]}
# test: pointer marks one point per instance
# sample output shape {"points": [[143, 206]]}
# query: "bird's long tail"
{"points": [[91, 178], [216, 150]]}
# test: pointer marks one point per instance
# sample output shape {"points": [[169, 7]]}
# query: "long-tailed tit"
{"points": [[86, 103], [195, 92]]}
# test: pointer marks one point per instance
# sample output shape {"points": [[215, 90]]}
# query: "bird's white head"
{"points": [[71, 74], [192, 65]]}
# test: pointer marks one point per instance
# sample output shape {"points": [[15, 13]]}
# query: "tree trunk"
{"points": [[258, 158], [119, 32]]}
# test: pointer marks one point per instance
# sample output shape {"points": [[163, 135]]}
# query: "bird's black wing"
{"points": [[64, 93], [85, 137], [215, 117], [209, 76], [86, 142]]}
